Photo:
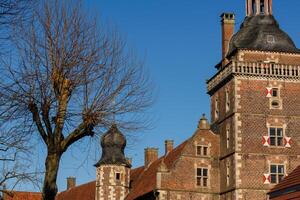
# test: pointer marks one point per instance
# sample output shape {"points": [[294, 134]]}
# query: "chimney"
{"points": [[228, 20], [169, 144], [151, 154], [71, 182]]}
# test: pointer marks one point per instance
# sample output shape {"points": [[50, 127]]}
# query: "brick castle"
{"points": [[253, 139]]}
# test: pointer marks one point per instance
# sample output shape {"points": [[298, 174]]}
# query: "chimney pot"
{"points": [[71, 182], [151, 154], [169, 145]]}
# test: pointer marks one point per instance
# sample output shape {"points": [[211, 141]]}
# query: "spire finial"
{"points": [[203, 123]]}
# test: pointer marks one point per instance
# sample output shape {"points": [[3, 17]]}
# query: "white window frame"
{"points": [[276, 99], [276, 136], [200, 177], [277, 173], [201, 153], [120, 176]]}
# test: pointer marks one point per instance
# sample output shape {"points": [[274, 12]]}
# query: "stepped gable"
{"points": [[262, 33]]}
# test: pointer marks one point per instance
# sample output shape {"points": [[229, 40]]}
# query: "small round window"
{"points": [[275, 104]]}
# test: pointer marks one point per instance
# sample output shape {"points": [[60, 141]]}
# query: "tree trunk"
{"points": [[52, 165]]}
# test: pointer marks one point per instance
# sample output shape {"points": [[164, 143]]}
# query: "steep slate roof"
{"points": [[254, 33], [86, 191], [146, 178], [18, 195], [113, 143], [289, 184]]}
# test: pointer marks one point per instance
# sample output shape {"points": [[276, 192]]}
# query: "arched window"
{"points": [[254, 7], [262, 6]]}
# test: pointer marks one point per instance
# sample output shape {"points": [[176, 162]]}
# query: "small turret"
{"points": [[113, 144], [113, 169]]}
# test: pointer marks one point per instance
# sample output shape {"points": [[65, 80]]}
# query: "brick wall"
{"points": [[180, 181], [108, 187], [248, 120]]}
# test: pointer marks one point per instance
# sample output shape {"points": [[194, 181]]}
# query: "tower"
{"points": [[113, 169], [255, 104]]}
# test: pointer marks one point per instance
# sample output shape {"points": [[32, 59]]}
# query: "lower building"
{"points": [[288, 189]]}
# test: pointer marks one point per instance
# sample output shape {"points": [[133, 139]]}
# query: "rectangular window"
{"points": [[202, 150], [227, 138], [276, 173], [227, 101], [205, 151], [262, 6], [228, 174], [216, 109], [199, 149], [118, 176], [276, 136], [275, 92], [202, 177]]}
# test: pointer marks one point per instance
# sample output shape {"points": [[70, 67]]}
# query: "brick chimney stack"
{"points": [[71, 182], [169, 145], [228, 20], [151, 154]]}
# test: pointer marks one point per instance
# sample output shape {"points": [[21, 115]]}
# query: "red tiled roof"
{"points": [[291, 180], [17, 195], [144, 181], [86, 191]]}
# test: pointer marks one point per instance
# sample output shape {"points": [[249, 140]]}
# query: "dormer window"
{"points": [[202, 150]]}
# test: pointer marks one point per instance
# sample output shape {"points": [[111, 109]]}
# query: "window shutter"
{"points": [[287, 142], [266, 141], [268, 92], [267, 179]]}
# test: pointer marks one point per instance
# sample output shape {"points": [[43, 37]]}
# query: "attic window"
{"points": [[202, 150], [270, 39]]}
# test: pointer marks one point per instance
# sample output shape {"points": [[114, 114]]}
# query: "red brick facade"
{"points": [[253, 140]]}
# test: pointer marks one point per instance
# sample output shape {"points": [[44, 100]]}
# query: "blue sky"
{"points": [[181, 43]]}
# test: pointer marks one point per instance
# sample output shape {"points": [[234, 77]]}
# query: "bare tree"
{"points": [[14, 149], [15, 165], [68, 76], [13, 11]]}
